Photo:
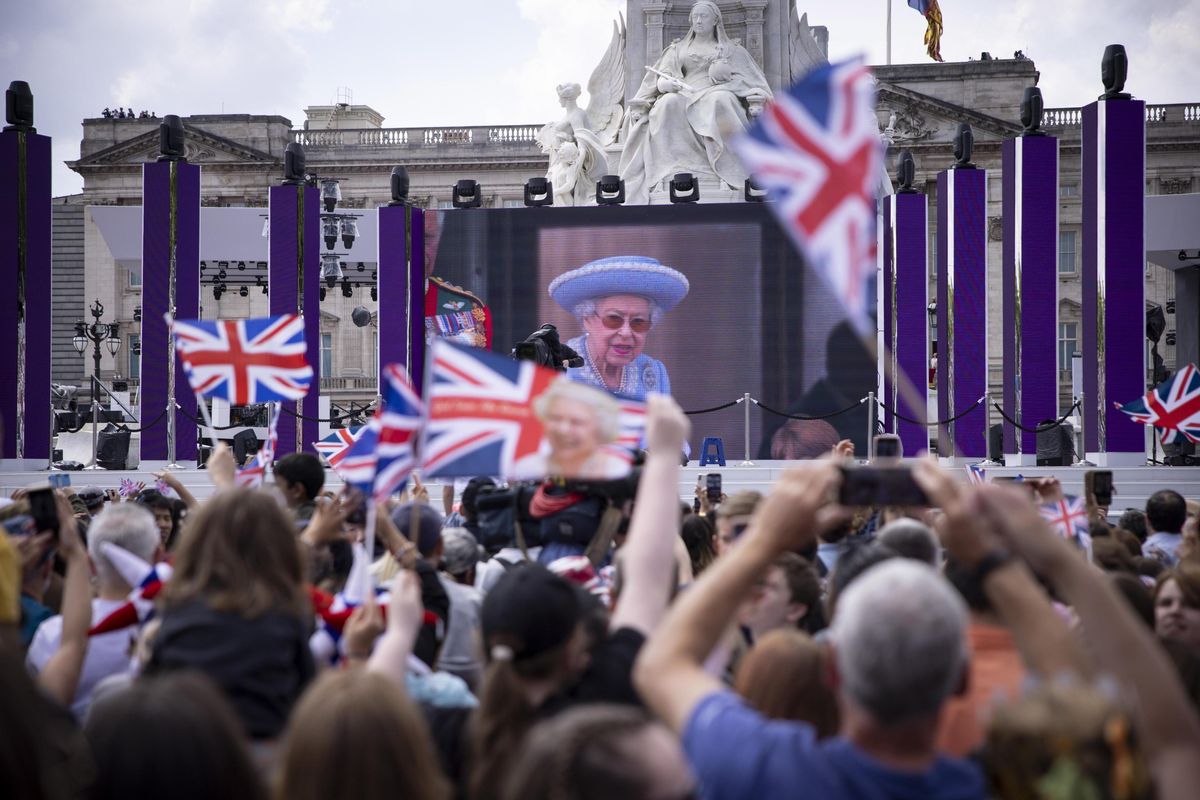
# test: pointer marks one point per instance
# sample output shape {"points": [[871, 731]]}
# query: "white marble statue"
{"points": [[699, 95]]}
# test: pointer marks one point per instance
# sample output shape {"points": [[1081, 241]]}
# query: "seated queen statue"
{"points": [[691, 103]]}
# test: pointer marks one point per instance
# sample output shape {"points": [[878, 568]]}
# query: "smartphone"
{"points": [[60, 480], [880, 486], [887, 447], [712, 487], [43, 508], [1101, 486]]}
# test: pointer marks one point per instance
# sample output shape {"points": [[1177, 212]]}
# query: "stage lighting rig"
{"points": [[329, 230], [293, 167], [349, 232], [906, 172], [331, 194], [244, 291], [539, 192], [18, 108], [170, 139], [467, 194], [1114, 68], [1032, 108], [331, 270], [685, 188], [399, 186], [610, 191], [347, 289]]}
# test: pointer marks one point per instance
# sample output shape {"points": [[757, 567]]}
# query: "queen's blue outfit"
{"points": [[642, 376]]}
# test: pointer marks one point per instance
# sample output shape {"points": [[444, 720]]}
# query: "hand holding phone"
{"points": [[713, 488], [880, 486], [43, 507]]}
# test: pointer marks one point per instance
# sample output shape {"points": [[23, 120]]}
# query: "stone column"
{"points": [[905, 315], [401, 289], [1113, 164], [25, 316], [962, 310], [754, 29], [293, 281], [170, 285], [1030, 280]]}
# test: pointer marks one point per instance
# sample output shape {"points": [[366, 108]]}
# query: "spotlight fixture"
{"points": [[754, 193], [349, 232], [329, 230], [400, 185], [1032, 108], [362, 267], [218, 290], [964, 143], [203, 266], [375, 294], [170, 139], [244, 291], [221, 274], [1114, 68], [331, 194], [347, 289], [1171, 306], [685, 188], [18, 108], [241, 266], [261, 284], [223, 264], [466, 194], [262, 265], [610, 191], [137, 311], [322, 294], [539, 192], [906, 171], [293, 168], [331, 270]]}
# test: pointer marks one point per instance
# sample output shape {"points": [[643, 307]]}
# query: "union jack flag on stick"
{"points": [[1069, 517], [252, 475], [381, 458], [1173, 408], [333, 448], [245, 361], [817, 150]]}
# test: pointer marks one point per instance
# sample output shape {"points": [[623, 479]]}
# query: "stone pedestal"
{"points": [[25, 315], [962, 311], [904, 295], [1114, 264], [1030, 278], [401, 289], [293, 281], [170, 285]]}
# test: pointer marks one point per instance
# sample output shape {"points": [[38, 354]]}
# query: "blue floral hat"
{"points": [[636, 275]]}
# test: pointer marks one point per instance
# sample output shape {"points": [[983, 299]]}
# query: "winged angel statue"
{"points": [[576, 143]]}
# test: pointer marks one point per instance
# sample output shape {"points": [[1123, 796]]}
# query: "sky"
{"points": [[496, 62]]}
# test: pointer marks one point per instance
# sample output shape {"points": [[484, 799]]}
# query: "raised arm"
{"points": [[670, 672], [648, 563], [1121, 644], [172, 480], [404, 615], [60, 677]]}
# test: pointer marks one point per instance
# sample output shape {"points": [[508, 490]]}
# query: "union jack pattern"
{"points": [[976, 475], [147, 581], [1173, 408], [254, 473], [817, 150], [333, 448], [381, 458], [245, 361], [1069, 518]]}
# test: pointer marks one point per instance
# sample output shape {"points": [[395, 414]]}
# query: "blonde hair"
{"points": [[607, 411]]}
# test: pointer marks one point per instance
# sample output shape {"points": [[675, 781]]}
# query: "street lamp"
{"points": [[96, 333]]}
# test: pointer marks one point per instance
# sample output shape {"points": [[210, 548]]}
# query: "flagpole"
{"points": [[889, 31]]}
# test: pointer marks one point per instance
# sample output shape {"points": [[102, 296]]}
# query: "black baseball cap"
{"points": [[92, 496], [531, 611]]}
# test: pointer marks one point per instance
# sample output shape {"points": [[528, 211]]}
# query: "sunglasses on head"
{"points": [[613, 321]]}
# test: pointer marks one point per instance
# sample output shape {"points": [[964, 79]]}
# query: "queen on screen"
{"points": [[618, 301], [581, 426]]}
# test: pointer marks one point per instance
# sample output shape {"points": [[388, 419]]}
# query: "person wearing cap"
{"points": [[618, 301], [93, 499], [421, 524], [460, 652]]}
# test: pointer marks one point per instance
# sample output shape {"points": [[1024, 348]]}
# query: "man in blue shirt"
{"points": [[899, 652], [1166, 511]]}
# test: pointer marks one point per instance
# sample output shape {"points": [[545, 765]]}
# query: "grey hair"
{"points": [[587, 308], [911, 539], [900, 639], [128, 526], [607, 411]]}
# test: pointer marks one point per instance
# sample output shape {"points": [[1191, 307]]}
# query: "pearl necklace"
{"points": [[625, 371]]}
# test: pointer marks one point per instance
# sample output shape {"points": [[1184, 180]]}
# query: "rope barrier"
{"points": [[1040, 428], [714, 408], [336, 418], [911, 421], [199, 422], [123, 427], [770, 410]]}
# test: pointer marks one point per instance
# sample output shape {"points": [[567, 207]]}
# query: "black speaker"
{"points": [[996, 443], [112, 447], [1055, 445]]}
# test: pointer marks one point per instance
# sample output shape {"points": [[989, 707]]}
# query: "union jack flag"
{"points": [[1068, 517], [381, 458], [247, 360], [252, 475], [333, 448], [147, 581], [1173, 408], [817, 149], [976, 475], [481, 419]]}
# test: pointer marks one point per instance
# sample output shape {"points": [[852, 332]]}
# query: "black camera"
{"points": [[544, 348]]}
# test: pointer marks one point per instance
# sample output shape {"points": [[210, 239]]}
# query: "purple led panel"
{"points": [[25, 266], [962, 310], [906, 315], [293, 281], [170, 218], [1030, 283], [1114, 262], [399, 291]]}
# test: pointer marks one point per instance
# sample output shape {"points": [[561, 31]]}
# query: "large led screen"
{"points": [[708, 301]]}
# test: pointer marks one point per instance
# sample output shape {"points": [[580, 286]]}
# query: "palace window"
{"points": [[1066, 253]]}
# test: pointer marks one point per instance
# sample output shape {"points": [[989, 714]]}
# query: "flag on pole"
{"points": [[933, 33], [1069, 518], [333, 448], [1173, 407], [147, 581], [484, 419], [816, 149], [247, 360], [252, 475], [381, 458]]}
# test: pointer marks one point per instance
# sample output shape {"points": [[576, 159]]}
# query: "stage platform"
{"points": [[1133, 484]]}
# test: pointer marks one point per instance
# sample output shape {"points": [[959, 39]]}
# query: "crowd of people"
{"points": [[127, 113], [776, 645]]}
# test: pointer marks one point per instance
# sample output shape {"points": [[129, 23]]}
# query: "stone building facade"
{"points": [[920, 107]]}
